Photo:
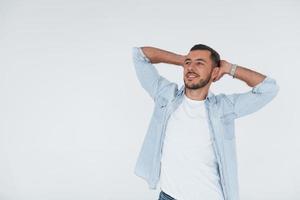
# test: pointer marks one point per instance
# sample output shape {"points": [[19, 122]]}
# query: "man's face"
{"points": [[198, 69]]}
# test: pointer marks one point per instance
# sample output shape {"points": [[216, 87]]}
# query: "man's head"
{"points": [[201, 66]]}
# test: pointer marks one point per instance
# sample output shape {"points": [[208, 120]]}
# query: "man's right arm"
{"points": [[148, 76]]}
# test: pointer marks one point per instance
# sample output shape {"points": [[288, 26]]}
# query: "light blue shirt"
{"points": [[222, 110]]}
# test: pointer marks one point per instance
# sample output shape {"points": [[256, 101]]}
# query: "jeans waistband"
{"points": [[165, 196]]}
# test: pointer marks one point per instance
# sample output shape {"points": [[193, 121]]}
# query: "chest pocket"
{"points": [[228, 125]]}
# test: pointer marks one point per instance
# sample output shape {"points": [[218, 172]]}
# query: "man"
{"points": [[189, 148]]}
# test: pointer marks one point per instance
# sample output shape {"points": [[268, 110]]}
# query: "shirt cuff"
{"points": [[139, 52]]}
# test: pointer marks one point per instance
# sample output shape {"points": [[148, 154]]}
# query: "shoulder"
{"points": [[224, 103]]}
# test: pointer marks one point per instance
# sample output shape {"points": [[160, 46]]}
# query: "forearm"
{"points": [[157, 55], [250, 77]]}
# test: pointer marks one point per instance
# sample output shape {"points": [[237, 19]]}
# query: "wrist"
{"points": [[232, 70], [181, 59], [227, 68]]}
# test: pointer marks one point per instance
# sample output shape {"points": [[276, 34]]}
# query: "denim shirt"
{"points": [[221, 109]]}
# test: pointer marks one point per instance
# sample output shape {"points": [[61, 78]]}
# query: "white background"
{"points": [[73, 115]]}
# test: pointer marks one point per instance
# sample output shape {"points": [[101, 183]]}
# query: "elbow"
{"points": [[272, 90], [276, 89], [268, 85]]}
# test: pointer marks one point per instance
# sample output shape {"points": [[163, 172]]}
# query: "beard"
{"points": [[200, 84]]}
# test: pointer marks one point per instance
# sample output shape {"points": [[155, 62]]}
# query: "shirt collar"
{"points": [[210, 95]]}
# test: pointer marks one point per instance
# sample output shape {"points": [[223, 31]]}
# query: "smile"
{"points": [[191, 76]]}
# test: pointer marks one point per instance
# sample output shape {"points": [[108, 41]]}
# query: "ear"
{"points": [[215, 73]]}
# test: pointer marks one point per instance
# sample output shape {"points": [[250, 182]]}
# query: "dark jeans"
{"points": [[165, 196]]}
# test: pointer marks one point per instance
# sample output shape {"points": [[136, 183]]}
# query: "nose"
{"points": [[190, 66]]}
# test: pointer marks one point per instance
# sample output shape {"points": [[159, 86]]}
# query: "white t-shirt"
{"points": [[188, 164]]}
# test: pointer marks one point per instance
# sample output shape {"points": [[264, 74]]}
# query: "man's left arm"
{"points": [[264, 89]]}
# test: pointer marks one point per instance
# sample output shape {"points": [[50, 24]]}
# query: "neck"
{"points": [[197, 94]]}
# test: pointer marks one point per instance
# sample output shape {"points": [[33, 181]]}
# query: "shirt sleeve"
{"points": [[251, 101], [147, 74]]}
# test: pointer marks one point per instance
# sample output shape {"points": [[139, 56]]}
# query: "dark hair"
{"points": [[215, 57]]}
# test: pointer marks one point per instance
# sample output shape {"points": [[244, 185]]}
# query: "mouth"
{"points": [[191, 76]]}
